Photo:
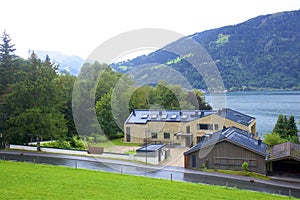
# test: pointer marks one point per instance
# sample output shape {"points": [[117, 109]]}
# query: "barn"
{"points": [[228, 149]]}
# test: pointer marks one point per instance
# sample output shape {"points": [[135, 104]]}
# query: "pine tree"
{"points": [[292, 127], [6, 62], [280, 127], [36, 103]]}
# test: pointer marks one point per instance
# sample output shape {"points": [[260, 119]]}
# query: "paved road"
{"points": [[277, 186]]}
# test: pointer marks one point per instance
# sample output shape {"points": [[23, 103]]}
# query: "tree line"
{"points": [[36, 100]]}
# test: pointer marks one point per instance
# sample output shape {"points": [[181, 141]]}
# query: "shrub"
{"points": [[245, 167]]}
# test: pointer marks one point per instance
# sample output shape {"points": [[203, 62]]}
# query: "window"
{"points": [[128, 134], [173, 116], [184, 116], [216, 126], [164, 116], [166, 135], [145, 116], [154, 116], [204, 127], [188, 129], [154, 135]]}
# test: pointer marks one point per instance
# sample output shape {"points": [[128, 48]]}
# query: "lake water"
{"points": [[265, 106]]}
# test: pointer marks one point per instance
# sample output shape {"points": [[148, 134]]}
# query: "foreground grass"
{"points": [[36, 181]]}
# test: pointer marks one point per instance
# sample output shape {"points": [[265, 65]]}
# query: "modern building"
{"points": [[184, 127], [228, 149]]}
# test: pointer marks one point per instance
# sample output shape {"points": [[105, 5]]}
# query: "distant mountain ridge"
{"points": [[263, 52], [71, 64]]}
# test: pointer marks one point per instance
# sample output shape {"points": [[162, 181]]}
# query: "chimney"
{"points": [[160, 113], [259, 141], [202, 114], [133, 113]]}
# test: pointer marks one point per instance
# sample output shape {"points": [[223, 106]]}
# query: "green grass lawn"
{"points": [[36, 181], [115, 142]]}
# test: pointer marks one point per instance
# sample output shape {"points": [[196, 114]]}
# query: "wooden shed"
{"points": [[284, 160], [228, 149]]}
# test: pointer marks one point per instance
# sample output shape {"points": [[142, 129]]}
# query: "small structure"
{"points": [[284, 160], [95, 150], [228, 149], [152, 153]]}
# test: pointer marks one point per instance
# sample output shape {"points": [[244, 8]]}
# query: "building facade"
{"points": [[228, 149], [184, 127]]}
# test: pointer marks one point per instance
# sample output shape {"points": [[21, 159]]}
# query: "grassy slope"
{"points": [[35, 181]]}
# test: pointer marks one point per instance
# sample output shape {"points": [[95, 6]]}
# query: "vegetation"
{"points": [[55, 182], [284, 130], [37, 102], [251, 55], [240, 173], [245, 167]]}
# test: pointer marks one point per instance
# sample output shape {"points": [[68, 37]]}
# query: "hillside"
{"points": [[263, 52]]}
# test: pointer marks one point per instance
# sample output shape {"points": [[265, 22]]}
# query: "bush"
{"points": [[245, 167]]}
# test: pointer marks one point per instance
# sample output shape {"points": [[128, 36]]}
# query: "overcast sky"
{"points": [[78, 27]]}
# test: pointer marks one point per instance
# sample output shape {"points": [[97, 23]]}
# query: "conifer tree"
{"points": [[6, 62], [292, 127]]}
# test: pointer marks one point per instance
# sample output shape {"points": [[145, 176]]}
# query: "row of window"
{"points": [[154, 135], [207, 126]]}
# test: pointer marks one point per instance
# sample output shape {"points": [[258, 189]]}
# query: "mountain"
{"points": [[263, 52], [71, 64]]}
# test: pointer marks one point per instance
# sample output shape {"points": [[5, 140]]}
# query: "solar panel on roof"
{"points": [[145, 116], [164, 116], [154, 116], [173, 116], [183, 116]]}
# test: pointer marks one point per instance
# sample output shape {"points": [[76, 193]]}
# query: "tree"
{"points": [[292, 127], [273, 138], [105, 116], [36, 102], [197, 99], [280, 126], [6, 62], [67, 82]]}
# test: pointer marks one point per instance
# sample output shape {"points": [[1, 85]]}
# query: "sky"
{"points": [[78, 27]]}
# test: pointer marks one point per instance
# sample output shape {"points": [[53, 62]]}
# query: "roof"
{"points": [[285, 150], [150, 148], [144, 116], [234, 135], [236, 116]]}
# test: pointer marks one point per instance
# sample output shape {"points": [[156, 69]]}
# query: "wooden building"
{"points": [[284, 160], [228, 149]]}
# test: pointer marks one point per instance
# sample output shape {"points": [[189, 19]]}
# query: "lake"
{"points": [[265, 106]]}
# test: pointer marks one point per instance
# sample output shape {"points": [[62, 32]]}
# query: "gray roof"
{"points": [[144, 116], [150, 148], [236, 116], [234, 135]]}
